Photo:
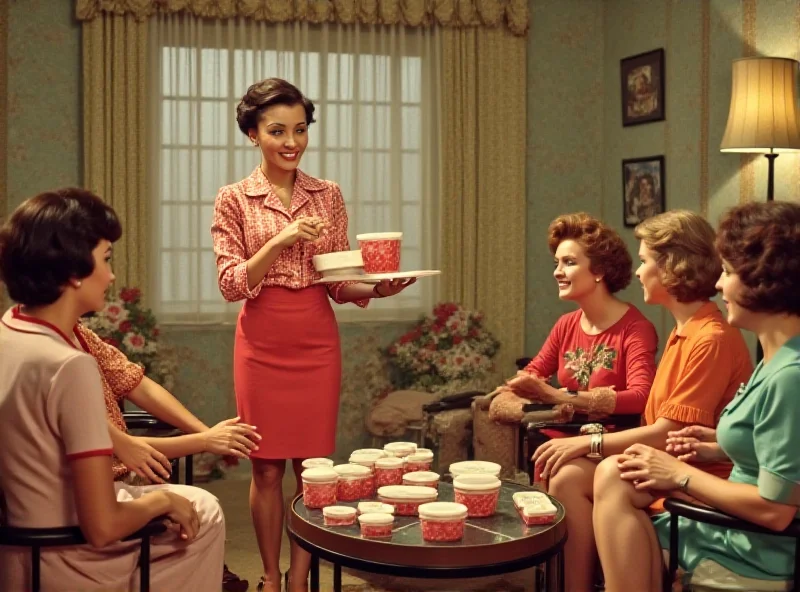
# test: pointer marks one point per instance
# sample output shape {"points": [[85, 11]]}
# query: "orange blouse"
{"points": [[249, 213]]}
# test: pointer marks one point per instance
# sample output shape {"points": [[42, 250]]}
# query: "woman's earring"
{"points": [[597, 280], [78, 283]]}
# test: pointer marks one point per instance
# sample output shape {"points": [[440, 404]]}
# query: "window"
{"points": [[375, 135]]}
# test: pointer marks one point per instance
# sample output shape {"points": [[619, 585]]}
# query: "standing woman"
{"points": [[287, 358]]}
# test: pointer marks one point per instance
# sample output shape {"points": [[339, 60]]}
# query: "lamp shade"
{"points": [[763, 115]]}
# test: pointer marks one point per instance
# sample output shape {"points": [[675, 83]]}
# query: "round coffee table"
{"points": [[491, 546]]}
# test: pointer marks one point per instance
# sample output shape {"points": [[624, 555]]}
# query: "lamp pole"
{"points": [[771, 156]]}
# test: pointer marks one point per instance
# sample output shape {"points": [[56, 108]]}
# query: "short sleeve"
{"points": [[76, 408], [340, 242], [121, 374], [703, 383], [776, 437]]}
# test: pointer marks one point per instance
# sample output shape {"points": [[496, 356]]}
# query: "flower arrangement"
{"points": [[450, 345], [130, 327]]}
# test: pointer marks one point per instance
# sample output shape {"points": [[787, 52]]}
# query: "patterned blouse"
{"points": [[249, 213], [119, 375]]}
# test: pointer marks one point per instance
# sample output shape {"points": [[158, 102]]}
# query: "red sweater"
{"points": [[622, 356]]}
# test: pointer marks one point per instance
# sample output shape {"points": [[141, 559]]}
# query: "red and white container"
{"points": [[355, 482], [310, 463], [380, 251], [406, 499], [442, 521], [370, 451], [388, 471], [422, 478], [471, 467], [376, 525], [400, 449], [375, 507], [534, 507], [319, 487], [419, 461], [479, 493], [368, 461], [339, 515]]}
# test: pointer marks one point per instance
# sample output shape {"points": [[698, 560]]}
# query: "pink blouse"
{"points": [[249, 213]]}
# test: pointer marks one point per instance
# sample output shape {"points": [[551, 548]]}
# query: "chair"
{"points": [[677, 507], [141, 420], [36, 538]]}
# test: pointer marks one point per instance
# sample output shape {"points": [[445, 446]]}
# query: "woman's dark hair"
{"points": [[49, 240], [263, 95], [761, 243]]}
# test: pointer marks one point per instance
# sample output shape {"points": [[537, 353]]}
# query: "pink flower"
{"points": [[134, 342], [130, 294], [125, 326], [115, 313]]}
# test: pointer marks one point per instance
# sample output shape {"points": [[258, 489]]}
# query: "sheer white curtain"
{"points": [[377, 98]]}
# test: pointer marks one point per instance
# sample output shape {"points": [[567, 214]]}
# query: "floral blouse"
{"points": [[249, 213]]}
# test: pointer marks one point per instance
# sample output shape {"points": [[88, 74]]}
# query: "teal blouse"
{"points": [[759, 430]]}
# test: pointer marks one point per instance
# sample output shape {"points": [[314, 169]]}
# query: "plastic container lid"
{"points": [[443, 510], [400, 446], [375, 507], [376, 451], [407, 492], [361, 459], [476, 482], [338, 511], [380, 236], [474, 466], [319, 475], [390, 462], [539, 509], [522, 498], [352, 471], [376, 518], [421, 476], [420, 456], [317, 462]]}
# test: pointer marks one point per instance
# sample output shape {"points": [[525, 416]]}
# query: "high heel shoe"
{"points": [[262, 583]]}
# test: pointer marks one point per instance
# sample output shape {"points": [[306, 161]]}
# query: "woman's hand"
{"points": [[555, 453], [231, 438], [696, 444], [141, 458], [306, 228], [183, 513], [534, 388], [648, 468], [388, 288]]}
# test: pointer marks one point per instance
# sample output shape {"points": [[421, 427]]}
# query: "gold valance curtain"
{"points": [[413, 13]]}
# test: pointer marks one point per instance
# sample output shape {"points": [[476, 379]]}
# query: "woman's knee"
{"points": [[268, 474], [572, 478]]}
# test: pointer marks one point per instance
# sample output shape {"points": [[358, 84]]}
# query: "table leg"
{"points": [[553, 574], [561, 567], [314, 573], [337, 577]]}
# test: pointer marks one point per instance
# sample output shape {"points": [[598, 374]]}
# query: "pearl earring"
{"points": [[597, 280], [78, 284]]}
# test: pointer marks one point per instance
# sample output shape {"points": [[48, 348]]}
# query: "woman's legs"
{"points": [[572, 486], [626, 539], [266, 508], [300, 559]]}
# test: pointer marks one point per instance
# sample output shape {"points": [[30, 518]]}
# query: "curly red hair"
{"points": [[607, 253], [761, 243]]}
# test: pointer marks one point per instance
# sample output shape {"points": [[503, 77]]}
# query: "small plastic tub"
{"points": [[471, 467], [319, 487], [388, 471], [380, 251], [376, 525], [355, 482], [310, 463], [442, 521], [523, 498], [400, 449], [406, 499], [419, 461], [368, 461], [479, 493], [538, 514], [375, 507], [339, 515], [422, 478]]}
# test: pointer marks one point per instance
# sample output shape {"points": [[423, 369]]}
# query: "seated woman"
{"points": [[704, 362], [758, 430], [604, 352], [55, 470]]}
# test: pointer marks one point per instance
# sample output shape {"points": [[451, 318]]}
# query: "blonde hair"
{"points": [[683, 243]]}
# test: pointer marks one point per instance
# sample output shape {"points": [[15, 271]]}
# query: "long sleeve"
{"points": [[227, 232], [545, 364], [640, 346], [340, 242]]}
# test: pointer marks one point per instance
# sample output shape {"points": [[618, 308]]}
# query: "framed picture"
{"points": [[643, 188], [643, 95]]}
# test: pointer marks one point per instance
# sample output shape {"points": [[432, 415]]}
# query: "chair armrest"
{"points": [[66, 535], [578, 421], [709, 515], [522, 362], [141, 420]]}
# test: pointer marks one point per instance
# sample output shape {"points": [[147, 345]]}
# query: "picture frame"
{"points": [[643, 88], [643, 189]]}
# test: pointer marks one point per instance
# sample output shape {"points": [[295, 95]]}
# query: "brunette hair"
{"points": [[607, 253], [263, 95]]}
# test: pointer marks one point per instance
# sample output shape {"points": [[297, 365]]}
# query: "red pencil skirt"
{"points": [[287, 372]]}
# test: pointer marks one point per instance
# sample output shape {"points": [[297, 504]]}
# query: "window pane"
{"points": [[245, 163], [375, 219], [206, 217], [374, 177], [411, 77], [340, 77], [213, 124], [339, 126], [339, 168], [213, 172], [177, 75], [209, 288], [410, 258], [178, 119], [412, 222], [214, 73], [412, 176], [411, 128], [310, 75], [178, 174], [374, 78], [375, 126]]}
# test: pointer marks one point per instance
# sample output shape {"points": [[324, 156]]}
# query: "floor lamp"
{"points": [[764, 117]]}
